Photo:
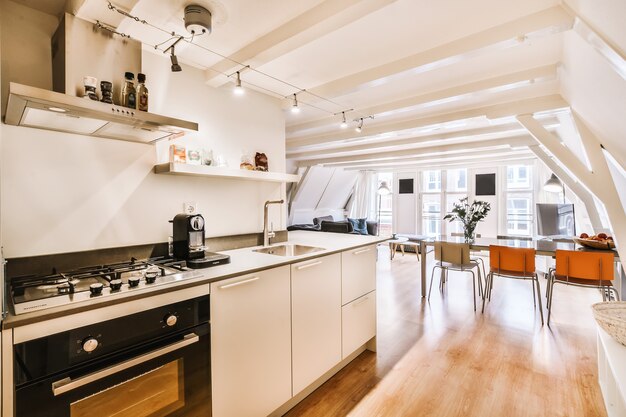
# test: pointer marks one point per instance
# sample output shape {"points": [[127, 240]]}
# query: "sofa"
{"points": [[328, 224]]}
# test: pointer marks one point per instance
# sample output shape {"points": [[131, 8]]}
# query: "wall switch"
{"points": [[190, 207]]}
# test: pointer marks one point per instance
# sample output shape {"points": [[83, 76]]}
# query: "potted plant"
{"points": [[469, 215]]}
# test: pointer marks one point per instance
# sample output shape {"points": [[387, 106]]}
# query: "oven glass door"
{"points": [[171, 378]]}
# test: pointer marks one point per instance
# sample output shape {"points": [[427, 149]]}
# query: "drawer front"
{"points": [[358, 320], [315, 318], [358, 268]]}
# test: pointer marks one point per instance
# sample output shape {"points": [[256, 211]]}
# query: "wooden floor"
{"points": [[441, 359]]}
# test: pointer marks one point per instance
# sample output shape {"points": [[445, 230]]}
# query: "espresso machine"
{"points": [[188, 242]]}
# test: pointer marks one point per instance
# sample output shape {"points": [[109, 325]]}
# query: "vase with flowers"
{"points": [[469, 215]]}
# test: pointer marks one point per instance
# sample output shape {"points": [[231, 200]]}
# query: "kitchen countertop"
{"points": [[242, 261]]}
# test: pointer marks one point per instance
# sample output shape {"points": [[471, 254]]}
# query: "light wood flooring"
{"points": [[440, 359]]}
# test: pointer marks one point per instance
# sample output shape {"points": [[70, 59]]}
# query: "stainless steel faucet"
{"points": [[267, 235]]}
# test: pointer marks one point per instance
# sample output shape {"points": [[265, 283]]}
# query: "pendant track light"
{"points": [[343, 124], [239, 90], [359, 127], [295, 108], [174, 59]]}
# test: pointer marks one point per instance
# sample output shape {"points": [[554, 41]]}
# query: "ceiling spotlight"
{"points": [[343, 124], [359, 127], [239, 90], [295, 108], [175, 66]]}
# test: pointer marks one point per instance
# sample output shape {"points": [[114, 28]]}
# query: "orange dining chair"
{"points": [[455, 257], [517, 263], [582, 269]]}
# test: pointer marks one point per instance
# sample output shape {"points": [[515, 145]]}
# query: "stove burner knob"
{"points": [[115, 284], [96, 289], [133, 281], [170, 320], [150, 278], [90, 344]]}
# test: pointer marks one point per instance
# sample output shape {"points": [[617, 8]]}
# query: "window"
{"points": [[432, 181], [384, 205], [431, 214], [518, 177], [456, 180], [441, 189], [519, 204]]}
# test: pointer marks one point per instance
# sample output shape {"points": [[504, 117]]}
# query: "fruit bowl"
{"points": [[595, 244]]}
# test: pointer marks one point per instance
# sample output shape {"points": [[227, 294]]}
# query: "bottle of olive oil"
{"points": [[142, 93]]}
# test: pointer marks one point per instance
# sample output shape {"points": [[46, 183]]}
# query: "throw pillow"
{"points": [[319, 220], [359, 225]]}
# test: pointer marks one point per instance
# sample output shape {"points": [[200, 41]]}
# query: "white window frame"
{"points": [[443, 195]]}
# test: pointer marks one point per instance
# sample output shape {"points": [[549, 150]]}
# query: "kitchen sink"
{"points": [[288, 250]]}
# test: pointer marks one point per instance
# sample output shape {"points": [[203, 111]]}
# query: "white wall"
{"points": [[405, 206], [63, 192]]}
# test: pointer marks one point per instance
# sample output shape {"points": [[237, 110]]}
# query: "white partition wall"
{"points": [[405, 204]]}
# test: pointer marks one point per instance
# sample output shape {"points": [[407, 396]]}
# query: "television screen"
{"points": [[556, 220], [405, 186], [485, 184]]}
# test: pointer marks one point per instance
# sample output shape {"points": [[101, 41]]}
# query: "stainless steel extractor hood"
{"points": [[43, 109]]}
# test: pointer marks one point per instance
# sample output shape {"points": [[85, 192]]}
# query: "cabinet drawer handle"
{"points": [[361, 251], [361, 301], [234, 284], [301, 267]]}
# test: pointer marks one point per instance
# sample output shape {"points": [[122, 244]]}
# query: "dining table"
{"points": [[542, 246]]}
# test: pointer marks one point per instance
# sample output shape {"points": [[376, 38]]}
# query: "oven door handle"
{"points": [[67, 384]]}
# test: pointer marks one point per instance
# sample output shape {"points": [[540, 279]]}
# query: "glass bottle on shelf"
{"points": [[142, 93], [129, 94]]}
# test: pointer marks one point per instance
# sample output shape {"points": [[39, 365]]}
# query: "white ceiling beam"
{"points": [[508, 81], [483, 155], [324, 18], [599, 180], [536, 104], [521, 159], [607, 49], [522, 140], [487, 132], [581, 192], [548, 21]]}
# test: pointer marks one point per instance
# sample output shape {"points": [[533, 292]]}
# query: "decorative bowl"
{"points": [[611, 316], [595, 244]]}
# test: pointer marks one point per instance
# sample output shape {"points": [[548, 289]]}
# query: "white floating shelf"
{"points": [[219, 172]]}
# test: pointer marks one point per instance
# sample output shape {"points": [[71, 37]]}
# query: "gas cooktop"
{"points": [[39, 292]]}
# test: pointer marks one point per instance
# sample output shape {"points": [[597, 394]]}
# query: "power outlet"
{"points": [[190, 207]]}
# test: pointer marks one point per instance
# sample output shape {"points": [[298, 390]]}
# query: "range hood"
{"points": [[43, 109]]}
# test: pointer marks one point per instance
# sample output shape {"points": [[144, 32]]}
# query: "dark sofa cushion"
{"points": [[336, 227], [359, 225], [319, 220], [311, 227], [372, 228]]}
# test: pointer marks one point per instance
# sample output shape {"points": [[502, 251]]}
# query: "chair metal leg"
{"points": [[487, 283], [536, 279], [473, 287], [432, 276], [551, 294], [534, 302]]}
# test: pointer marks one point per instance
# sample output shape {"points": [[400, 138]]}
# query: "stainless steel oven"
{"points": [[154, 362]]}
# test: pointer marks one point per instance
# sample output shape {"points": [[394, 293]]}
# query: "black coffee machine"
{"points": [[188, 236]]}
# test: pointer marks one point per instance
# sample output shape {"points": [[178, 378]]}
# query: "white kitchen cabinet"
{"points": [[251, 343], [358, 322], [612, 374], [316, 318], [358, 269]]}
